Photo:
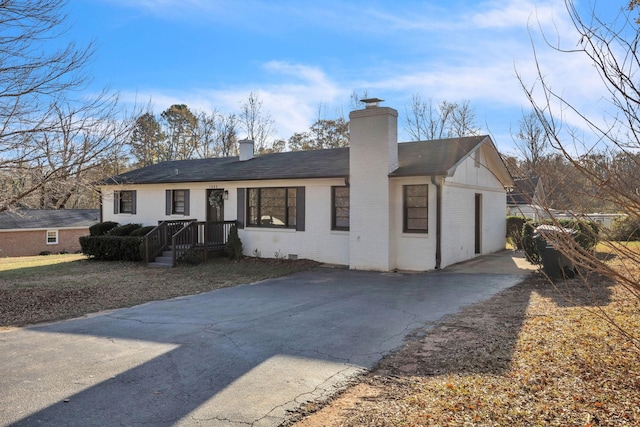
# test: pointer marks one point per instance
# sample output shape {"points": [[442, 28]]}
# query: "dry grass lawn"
{"points": [[47, 288], [534, 355]]}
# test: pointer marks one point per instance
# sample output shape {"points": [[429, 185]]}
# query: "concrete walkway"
{"points": [[233, 357]]}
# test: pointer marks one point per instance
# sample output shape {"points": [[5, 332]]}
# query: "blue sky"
{"points": [[299, 55]]}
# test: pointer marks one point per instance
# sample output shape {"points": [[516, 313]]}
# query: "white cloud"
{"points": [[518, 14], [476, 54], [292, 105], [481, 65]]}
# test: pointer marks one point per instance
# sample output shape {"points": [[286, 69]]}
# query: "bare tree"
{"points": [[256, 122], [227, 133], [33, 76], [462, 122], [356, 97], [426, 120], [216, 134], [612, 49], [207, 138], [531, 146], [54, 169], [183, 134], [530, 141], [50, 138]]}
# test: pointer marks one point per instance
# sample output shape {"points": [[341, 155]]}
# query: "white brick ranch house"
{"points": [[377, 205]]}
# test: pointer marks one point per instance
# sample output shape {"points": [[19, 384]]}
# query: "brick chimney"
{"points": [[373, 154]]}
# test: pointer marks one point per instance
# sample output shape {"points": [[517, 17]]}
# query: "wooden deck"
{"points": [[171, 241]]}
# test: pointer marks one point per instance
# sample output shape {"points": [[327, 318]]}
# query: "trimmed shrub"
{"points": [[625, 229], [588, 233], [102, 228], [142, 231], [233, 247], [528, 242], [112, 248], [124, 230], [193, 257], [514, 230]]}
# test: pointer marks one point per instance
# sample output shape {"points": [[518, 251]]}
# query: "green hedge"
{"points": [[514, 230], [528, 242], [112, 248], [625, 229], [142, 231], [586, 236], [124, 230], [102, 228]]}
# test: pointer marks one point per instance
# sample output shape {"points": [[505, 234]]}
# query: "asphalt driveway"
{"points": [[237, 356]]}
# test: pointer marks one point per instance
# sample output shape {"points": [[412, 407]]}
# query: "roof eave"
{"points": [[427, 173], [228, 180]]}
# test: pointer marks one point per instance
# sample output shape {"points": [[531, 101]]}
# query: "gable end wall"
{"points": [[458, 222]]}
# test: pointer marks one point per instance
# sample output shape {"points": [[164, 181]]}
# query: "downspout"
{"points": [[434, 181], [101, 201]]}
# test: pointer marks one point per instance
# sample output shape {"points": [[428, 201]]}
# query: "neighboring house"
{"points": [[377, 205], [527, 198], [26, 232]]}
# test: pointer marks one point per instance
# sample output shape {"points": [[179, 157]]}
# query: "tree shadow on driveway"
{"points": [[243, 355], [481, 338]]}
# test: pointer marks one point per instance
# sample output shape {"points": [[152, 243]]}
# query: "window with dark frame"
{"points": [[177, 202], [125, 202], [416, 208], [272, 207], [178, 198], [340, 208]]}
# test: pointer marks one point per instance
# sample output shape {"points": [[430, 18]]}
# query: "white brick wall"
{"points": [[412, 251], [375, 240], [495, 224], [458, 223], [317, 242], [372, 150]]}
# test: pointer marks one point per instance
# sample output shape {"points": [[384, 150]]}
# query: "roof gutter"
{"points": [[438, 185]]}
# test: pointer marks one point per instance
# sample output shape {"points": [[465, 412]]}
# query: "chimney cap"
{"points": [[371, 102]]}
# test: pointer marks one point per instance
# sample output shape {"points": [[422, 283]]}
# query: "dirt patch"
{"points": [[342, 403], [534, 354]]}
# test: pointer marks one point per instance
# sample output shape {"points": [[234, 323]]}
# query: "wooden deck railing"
{"points": [[183, 236], [159, 239]]}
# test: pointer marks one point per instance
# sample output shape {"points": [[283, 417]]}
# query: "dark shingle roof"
{"points": [[524, 190], [288, 165], [48, 218], [433, 157], [415, 158]]}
